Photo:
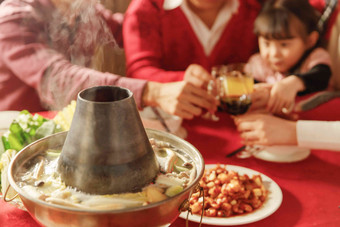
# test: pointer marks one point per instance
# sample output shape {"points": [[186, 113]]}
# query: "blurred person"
{"points": [[291, 60], [264, 129], [329, 11], [163, 38], [46, 58], [334, 50]]}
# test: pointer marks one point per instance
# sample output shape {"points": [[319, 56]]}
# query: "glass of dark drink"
{"points": [[234, 86]]}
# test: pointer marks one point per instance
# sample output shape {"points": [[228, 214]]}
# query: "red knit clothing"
{"points": [[160, 44]]}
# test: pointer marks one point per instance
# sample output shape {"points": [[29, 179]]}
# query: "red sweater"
{"points": [[160, 44]]}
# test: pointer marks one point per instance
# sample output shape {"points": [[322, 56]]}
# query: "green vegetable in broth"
{"points": [[25, 129]]}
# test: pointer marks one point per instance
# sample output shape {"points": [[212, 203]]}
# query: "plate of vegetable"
{"points": [[20, 128]]}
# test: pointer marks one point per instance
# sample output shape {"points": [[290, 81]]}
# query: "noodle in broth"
{"points": [[39, 178]]}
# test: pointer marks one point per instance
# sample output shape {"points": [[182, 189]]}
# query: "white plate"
{"points": [[282, 154], [6, 118], [272, 203]]}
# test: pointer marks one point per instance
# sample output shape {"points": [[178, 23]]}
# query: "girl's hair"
{"points": [[279, 18]]}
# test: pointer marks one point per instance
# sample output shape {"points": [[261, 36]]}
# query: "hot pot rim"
{"points": [[22, 193]]}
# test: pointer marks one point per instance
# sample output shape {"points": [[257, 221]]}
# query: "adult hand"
{"points": [[179, 98], [283, 93], [264, 129], [197, 76]]}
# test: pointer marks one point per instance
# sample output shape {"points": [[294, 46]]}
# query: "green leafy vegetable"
{"points": [[25, 129]]}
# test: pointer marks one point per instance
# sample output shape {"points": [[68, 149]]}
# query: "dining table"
{"points": [[310, 187]]}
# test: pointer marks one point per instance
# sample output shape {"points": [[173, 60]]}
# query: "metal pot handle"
{"points": [[185, 206], [11, 199]]}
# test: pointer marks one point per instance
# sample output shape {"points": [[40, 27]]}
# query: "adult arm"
{"points": [[180, 98], [318, 134], [57, 81], [143, 42], [63, 80], [264, 129]]}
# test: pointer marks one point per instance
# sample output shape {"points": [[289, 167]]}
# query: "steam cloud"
{"points": [[77, 35]]}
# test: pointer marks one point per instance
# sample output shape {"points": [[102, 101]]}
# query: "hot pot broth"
{"points": [[40, 179]]}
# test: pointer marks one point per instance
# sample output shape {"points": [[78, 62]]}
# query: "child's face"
{"points": [[282, 54]]}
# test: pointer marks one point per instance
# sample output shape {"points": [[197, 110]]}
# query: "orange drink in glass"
{"points": [[234, 86]]}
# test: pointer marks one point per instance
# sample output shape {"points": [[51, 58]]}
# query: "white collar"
{"points": [[209, 37], [171, 4]]}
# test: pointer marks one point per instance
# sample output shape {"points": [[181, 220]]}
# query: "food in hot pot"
{"points": [[227, 193], [24, 129], [27, 128], [39, 178]]}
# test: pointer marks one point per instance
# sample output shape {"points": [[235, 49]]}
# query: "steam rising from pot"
{"points": [[77, 34]]}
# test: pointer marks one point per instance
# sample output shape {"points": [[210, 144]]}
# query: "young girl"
{"points": [[290, 58]]}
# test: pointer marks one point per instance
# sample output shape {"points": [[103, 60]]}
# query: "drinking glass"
{"points": [[234, 86]]}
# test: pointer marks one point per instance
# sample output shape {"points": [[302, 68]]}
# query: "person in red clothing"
{"points": [[163, 38], [46, 58]]}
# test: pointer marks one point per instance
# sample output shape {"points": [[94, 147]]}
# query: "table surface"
{"points": [[311, 187]]}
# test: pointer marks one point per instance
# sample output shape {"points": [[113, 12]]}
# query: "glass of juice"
{"points": [[234, 86]]}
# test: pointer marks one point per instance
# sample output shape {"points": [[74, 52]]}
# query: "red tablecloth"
{"points": [[311, 188]]}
